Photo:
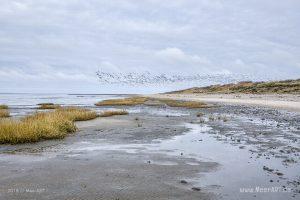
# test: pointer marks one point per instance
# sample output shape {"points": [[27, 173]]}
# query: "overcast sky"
{"points": [[57, 46]]}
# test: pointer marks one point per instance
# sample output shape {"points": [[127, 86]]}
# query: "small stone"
{"points": [[267, 169], [183, 182], [271, 181], [279, 173], [196, 189]]}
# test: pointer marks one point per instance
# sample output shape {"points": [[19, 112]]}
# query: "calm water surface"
{"points": [[23, 104]]}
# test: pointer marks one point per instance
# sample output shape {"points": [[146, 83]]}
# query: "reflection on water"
{"points": [[239, 168]]}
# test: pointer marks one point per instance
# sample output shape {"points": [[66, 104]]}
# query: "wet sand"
{"points": [[162, 153]]}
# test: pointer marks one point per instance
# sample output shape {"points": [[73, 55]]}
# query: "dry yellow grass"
{"points": [[132, 101], [4, 113], [3, 106], [77, 114], [184, 104], [48, 106], [113, 112], [48, 125]]}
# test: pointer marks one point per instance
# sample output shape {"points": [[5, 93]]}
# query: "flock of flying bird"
{"points": [[146, 78]]}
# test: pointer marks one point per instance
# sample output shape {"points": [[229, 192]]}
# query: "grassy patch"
{"points": [[4, 113], [132, 101], [185, 104], [77, 114], [113, 112], [47, 125], [48, 106], [2, 106]]}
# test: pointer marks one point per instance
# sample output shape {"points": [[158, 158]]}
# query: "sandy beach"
{"points": [[277, 101]]}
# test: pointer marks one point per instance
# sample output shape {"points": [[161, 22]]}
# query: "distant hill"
{"points": [[248, 87]]}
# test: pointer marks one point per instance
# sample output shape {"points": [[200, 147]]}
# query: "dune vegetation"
{"points": [[247, 87], [46, 125], [132, 101], [48, 106], [112, 113]]}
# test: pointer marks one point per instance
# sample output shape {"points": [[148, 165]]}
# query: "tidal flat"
{"points": [[162, 152]]}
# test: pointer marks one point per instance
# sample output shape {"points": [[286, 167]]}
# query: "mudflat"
{"points": [[159, 152]]}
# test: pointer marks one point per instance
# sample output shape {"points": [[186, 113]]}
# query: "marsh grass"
{"points": [[132, 101], [3, 106], [39, 126], [77, 114], [112, 113], [48, 106], [184, 104], [4, 113]]}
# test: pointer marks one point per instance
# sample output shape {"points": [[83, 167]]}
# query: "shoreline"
{"points": [[287, 102]]}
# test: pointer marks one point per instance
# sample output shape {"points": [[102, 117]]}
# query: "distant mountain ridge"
{"points": [[247, 87]]}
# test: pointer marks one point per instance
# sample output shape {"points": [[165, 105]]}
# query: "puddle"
{"points": [[159, 111]]}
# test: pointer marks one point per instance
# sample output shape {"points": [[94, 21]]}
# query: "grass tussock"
{"points": [[113, 112], [185, 104], [4, 113], [48, 106], [77, 114], [3, 106], [39, 126], [132, 101]]}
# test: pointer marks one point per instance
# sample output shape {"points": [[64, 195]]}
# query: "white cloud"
{"points": [[177, 55]]}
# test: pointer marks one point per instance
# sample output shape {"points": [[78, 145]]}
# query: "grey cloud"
{"points": [[69, 41]]}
